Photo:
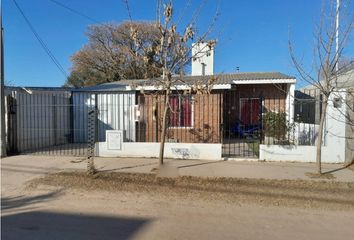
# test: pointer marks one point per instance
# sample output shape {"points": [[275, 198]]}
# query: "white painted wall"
{"points": [[202, 55], [305, 134], [333, 149], [115, 112], [203, 151], [294, 153], [290, 102], [335, 123]]}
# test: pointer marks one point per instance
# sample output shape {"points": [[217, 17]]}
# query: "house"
{"points": [[338, 140], [227, 122]]}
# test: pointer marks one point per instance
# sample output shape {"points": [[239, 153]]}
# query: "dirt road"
{"points": [[56, 209]]}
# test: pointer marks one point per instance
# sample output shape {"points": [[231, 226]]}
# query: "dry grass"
{"points": [[320, 176], [294, 193]]}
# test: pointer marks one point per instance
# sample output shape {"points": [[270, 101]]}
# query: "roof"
{"points": [[220, 79], [109, 87], [345, 80], [226, 78], [15, 88], [30, 90]]}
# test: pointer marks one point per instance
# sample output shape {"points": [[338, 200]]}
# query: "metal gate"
{"points": [[60, 123], [242, 125], [43, 123]]}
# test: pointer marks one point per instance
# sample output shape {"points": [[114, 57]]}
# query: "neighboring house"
{"points": [[346, 91], [338, 140]]}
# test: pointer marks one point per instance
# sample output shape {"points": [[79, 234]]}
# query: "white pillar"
{"points": [[290, 103]]}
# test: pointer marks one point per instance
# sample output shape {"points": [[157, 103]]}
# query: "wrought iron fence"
{"points": [[307, 112], [57, 122]]}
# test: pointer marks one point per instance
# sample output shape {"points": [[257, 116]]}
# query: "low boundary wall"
{"points": [[293, 153], [205, 151]]}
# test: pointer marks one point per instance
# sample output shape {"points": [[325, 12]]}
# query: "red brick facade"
{"points": [[209, 113]]}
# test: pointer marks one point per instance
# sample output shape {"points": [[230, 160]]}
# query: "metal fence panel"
{"points": [[115, 112], [42, 120], [307, 112]]}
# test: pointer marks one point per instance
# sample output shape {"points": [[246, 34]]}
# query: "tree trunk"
{"points": [[320, 136], [91, 166], [164, 126]]}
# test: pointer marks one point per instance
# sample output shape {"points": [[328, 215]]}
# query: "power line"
{"points": [[128, 10], [74, 11], [40, 40]]}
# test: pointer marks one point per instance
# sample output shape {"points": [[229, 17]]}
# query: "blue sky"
{"points": [[251, 34]]}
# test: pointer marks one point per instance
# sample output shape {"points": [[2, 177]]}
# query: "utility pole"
{"points": [[337, 35], [2, 92]]}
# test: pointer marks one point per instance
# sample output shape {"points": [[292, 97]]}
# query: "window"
{"points": [[181, 111], [250, 110]]}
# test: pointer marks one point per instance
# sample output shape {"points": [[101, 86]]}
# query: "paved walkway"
{"points": [[239, 169], [19, 169]]}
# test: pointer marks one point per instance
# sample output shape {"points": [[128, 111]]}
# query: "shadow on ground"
{"points": [[51, 225], [180, 164], [128, 167], [11, 203], [200, 164], [335, 170]]}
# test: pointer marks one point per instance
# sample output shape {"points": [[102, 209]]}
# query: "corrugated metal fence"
{"points": [[38, 120], [115, 112], [55, 122]]}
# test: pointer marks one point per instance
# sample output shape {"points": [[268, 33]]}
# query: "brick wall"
{"points": [[206, 120], [209, 112], [274, 99]]}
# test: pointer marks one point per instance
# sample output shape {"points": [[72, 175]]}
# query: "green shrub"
{"points": [[275, 125]]}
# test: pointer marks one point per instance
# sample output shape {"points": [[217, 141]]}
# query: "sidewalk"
{"points": [[17, 170], [237, 169]]}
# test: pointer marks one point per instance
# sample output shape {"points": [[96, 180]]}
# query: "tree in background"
{"points": [[172, 54], [324, 74], [115, 52]]}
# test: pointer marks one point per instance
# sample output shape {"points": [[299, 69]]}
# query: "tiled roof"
{"points": [[225, 78]]}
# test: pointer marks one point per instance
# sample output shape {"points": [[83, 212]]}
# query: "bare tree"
{"points": [[325, 72], [112, 55], [173, 53]]}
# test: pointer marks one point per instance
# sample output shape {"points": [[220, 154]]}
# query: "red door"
{"points": [[250, 110]]}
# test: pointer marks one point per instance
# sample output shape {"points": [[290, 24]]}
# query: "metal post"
{"points": [[337, 35], [91, 125], [2, 92]]}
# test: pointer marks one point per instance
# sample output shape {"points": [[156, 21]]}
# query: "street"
{"points": [[49, 211]]}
